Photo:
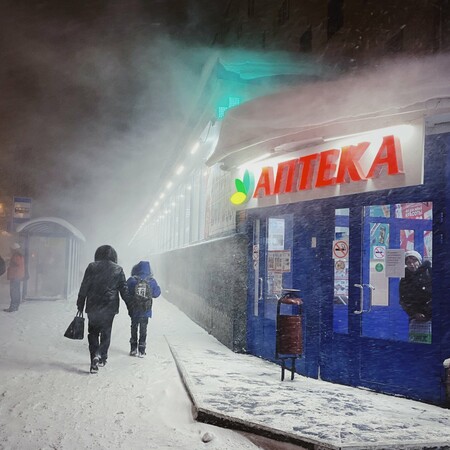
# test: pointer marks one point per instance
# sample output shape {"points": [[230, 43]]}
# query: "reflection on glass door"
{"points": [[395, 276], [396, 272]]}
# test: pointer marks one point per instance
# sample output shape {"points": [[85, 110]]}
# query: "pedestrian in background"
{"points": [[15, 274], [143, 288], [103, 280]]}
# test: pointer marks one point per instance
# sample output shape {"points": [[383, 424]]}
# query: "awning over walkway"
{"points": [[310, 113]]}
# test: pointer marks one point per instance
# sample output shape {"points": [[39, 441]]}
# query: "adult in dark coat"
{"points": [[103, 280], [416, 288]]}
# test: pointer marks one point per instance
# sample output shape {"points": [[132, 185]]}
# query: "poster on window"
{"points": [[419, 211], [279, 261], [275, 234], [274, 283]]}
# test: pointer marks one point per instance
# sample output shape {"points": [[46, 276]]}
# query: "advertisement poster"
{"points": [[341, 281], [279, 261], [379, 238], [419, 211], [275, 283], [275, 238]]}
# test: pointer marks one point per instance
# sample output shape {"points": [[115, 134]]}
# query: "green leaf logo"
{"points": [[244, 189]]}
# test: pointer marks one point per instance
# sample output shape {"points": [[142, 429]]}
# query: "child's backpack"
{"points": [[143, 294]]}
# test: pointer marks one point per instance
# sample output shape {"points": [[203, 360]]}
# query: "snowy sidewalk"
{"points": [[245, 392], [49, 401]]}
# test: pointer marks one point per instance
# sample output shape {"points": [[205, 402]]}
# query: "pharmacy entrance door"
{"points": [[378, 330]]}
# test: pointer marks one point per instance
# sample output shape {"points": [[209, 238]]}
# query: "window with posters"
{"points": [[398, 266], [341, 270], [279, 243], [395, 285]]}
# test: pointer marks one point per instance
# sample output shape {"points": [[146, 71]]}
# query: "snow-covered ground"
{"points": [[49, 401]]}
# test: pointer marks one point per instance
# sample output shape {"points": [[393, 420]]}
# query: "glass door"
{"points": [[382, 300], [271, 271], [396, 272], [395, 306]]}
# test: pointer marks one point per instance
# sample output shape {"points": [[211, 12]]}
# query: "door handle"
{"points": [[361, 298], [372, 288], [260, 284]]}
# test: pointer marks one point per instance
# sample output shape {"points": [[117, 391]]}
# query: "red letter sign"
{"points": [[305, 181], [265, 182], [349, 167], [288, 178], [390, 155], [327, 168]]}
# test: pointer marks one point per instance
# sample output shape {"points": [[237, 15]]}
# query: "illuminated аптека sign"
{"points": [[330, 167], [379, 159]]}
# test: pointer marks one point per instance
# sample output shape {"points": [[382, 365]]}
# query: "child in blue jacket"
{"points": [[143, 288]]}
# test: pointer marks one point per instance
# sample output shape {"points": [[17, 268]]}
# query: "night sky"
{"points": [[91, 94]]}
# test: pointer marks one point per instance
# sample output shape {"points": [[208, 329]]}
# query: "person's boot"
{"points": [[102, 361], [94, 364], [133, 350], [141, 352]]}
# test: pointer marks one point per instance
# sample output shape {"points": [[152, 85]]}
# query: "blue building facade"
{"points": [[354, 329], [337, 229]]}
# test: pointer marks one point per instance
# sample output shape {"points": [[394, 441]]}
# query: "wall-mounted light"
{"points": [[179, 170], [195, 148], [156, 204], [162, 195], [169, 185]]}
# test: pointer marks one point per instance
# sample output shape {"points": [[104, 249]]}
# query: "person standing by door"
{"points": [[15, 274], [102, 283], [416, 296]]}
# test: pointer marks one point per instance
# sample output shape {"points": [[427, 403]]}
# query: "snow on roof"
{"points": [[393, 91]]}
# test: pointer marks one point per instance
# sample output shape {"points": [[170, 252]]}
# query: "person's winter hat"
{"points": [[414, 254], [15, 246]]}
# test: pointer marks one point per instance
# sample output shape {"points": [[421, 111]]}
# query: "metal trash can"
{"points": [[289, 338]]}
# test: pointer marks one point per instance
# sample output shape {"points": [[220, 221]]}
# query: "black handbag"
{"points": [[76, 328]]}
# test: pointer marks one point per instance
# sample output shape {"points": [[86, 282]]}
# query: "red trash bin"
{"points": [[289, 336]]}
